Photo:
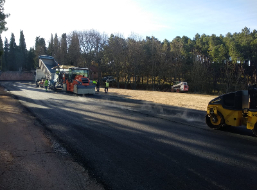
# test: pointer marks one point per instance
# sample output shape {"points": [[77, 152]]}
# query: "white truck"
{"points": [[45, 70], [49, 69], [179, 87]]}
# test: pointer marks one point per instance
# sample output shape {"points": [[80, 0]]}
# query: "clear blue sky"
{"points": [[163, 19]]}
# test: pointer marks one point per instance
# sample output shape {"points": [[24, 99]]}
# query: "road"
{"points": [[127, 144]]}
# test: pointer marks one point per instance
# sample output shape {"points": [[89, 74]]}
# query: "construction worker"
{"points": [[94, 82], [97, 86], [46, 84], [106, 86]]}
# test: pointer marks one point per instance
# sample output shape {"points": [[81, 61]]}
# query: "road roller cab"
{"points": [[234, 109]]}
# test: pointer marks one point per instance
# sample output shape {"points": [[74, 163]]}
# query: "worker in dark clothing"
{"points": [[97, 86]]}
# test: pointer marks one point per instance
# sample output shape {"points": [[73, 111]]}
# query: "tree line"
{"points": [[16, 57], [210, 64]]}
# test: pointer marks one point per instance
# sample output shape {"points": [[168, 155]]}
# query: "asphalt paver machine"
{"points": [[63, 77], [77, 81]]}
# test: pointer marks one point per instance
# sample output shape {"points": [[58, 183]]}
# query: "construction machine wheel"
{"points": [[255, 129], [215, 121], [177, 90]]}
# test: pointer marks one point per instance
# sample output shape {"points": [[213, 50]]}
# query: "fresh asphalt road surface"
{"points": [[127, 144]]}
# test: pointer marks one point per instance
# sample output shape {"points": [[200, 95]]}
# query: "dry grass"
{"points": [[186, 100]]}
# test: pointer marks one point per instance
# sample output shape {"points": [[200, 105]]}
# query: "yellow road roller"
{"points": [[234, 109]]}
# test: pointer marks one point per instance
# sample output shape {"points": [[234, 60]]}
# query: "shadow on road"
{"points": [[127, 145]]}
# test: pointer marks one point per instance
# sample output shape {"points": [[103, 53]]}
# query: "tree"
{"points": [[253, 61], [31, 57], [115, 56], [74, 50], [64, 50], [199, 72], [2, 28], [92, 44], [40, 48], [2, 17], [23, 52], [5, 66], [245, 39], [13, 55], [166, 62], [177, 50], [2, 66], [134, 59], [50, 49], [87, 44], [56, 49]]}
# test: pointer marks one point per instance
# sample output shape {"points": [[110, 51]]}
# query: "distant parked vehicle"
{"points": [[110, 78], [180, 87]]}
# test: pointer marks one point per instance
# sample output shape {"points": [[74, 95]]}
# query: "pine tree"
{"points": [[12, 61], [40, 46], [2, 17], [1, 53], [63, 53], [56, 49], [23, 52], [74, 50], [30, 60], [5, 56]]}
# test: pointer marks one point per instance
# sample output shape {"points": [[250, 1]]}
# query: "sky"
{"points": [[163, 19]]}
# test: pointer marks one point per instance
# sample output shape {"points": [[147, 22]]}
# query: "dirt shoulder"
{"points": [[186, 100], [27, 157]]}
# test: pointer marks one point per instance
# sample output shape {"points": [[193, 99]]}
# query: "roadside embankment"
{"points": [[16, 76], [28, 159]]}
